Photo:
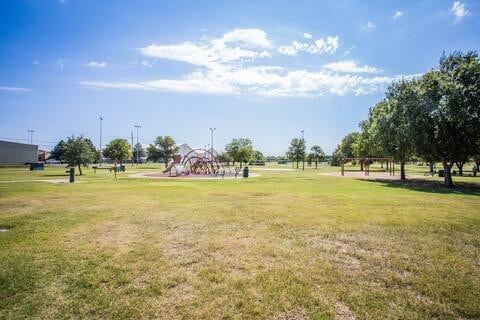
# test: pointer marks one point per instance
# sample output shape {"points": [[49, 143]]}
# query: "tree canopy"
{"points": [[163, 149], [118, 150], [240, 150], [78, 152]]}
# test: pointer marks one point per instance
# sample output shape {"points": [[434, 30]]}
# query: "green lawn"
{"points": [[285, 245]]}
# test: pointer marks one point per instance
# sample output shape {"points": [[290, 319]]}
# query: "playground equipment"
{"points": [[196, 161]]}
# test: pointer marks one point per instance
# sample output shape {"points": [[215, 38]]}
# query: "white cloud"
{"points": [[14, 89], [350, 66], [96, 64], [369, 26], [397, 14], [35, 62], [63, 1], [323, 45], [307, 35], [60, 63], [231, 64], [234, 46], [349, 50], [459, 11]]}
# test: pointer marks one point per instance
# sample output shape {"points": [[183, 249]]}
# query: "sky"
{"points": [[263, 70]]}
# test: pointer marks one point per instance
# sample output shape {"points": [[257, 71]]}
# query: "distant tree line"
{"points": [[435, 117]]}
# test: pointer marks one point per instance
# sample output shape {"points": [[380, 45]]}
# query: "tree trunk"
{"points": [[402, 170], [431, 167], [381, 164], [297, 163], [477, 167], [460, 167], [316, 164], [80, 169], [361, 165], [447, 175]]}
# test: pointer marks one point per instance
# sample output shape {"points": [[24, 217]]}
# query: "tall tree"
{"points": [[58, 151], [240, 150], [450, 101], [317, 155], [118, 150], [297, 150], [78, 152], [138, 152], [164, 148]]}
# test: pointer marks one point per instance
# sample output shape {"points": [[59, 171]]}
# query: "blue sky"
{"points": [[258, 69]]}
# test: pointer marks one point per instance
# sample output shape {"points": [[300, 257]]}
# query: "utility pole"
{"points": [[30, 131], [101, 153], [303, 142], [131, 159], [138, 127], [211, 136]]}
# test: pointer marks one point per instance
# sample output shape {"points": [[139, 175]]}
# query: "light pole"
{"points": [[137, 127], [30, 131], [211, 136], [101, 155], [303, 142]]}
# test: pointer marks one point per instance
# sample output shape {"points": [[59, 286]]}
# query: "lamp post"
{"points": [[137, 127], [303, 142], [30, 131], [211, 136], [101, 153]]}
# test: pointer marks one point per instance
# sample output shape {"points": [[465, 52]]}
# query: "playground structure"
{"points": [[390, 163], [196, 162]]}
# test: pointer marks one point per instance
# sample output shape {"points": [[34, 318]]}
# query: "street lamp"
{"points": [[101, 155], [303, 142], [211, 136], [138, 127], [30, 131]]}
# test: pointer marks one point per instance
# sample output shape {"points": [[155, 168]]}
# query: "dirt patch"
{"points": [[119, 237], [3, 230], [296, 314], [343, 312]]}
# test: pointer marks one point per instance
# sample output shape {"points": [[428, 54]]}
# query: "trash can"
{"points": [[441, 173], [72, 175], [245, 172]]}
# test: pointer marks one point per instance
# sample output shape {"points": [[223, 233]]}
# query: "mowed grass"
{"points": [[285, 245]]}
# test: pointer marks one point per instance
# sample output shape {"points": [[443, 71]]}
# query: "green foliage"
{"points": [[138, 152], [58, 151], [163, 149], [240, 150], [297, 150], [317, 155], [78, 152], [118, 150]]}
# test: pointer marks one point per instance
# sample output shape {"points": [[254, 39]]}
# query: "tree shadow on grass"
{"points": [[464, 188]]}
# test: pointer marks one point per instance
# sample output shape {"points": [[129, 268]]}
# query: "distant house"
{"points": [[17, 153]]}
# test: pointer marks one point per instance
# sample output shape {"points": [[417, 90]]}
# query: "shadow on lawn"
{"points": [[429, 186]]}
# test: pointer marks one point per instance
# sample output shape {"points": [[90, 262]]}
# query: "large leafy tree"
{"points": [[297, 150], [138, 152], [95, 151], [396, 121], [450, 101], [163, 149], [58, 151], [118, 150], [317, 155], [240, 150], [344, 149], [78, 152]]}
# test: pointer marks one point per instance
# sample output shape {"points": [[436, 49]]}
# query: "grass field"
{"points": [[285, 245]]}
